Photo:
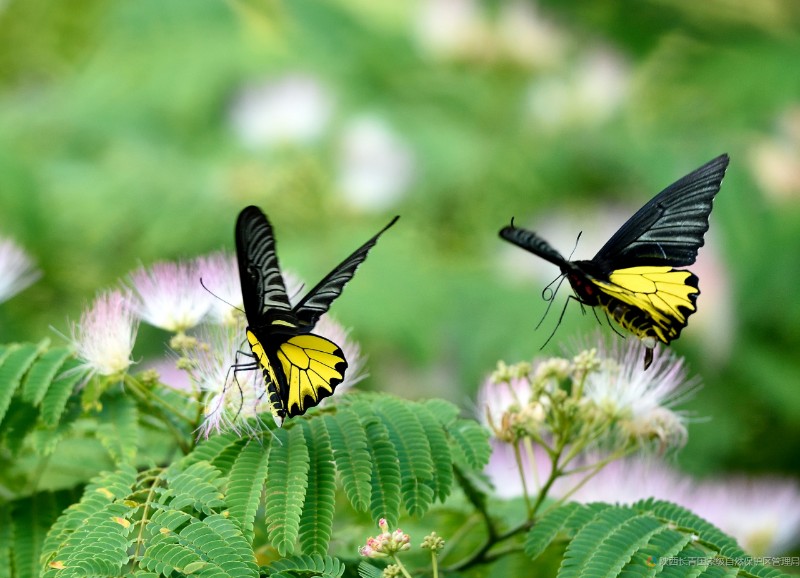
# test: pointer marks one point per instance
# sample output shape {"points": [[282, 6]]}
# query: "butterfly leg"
{"points": [[560, 318]]}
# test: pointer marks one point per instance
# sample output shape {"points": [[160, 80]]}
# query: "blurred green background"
{"points": [[132, 132]]}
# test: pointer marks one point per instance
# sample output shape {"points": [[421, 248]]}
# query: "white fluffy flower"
{"points": [[17, 270], [234, 397], [642, 398], [106, 333], [170, 295]]}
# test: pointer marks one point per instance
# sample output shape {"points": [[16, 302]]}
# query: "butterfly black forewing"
{"points": [[263, 289], [669, 229], [319, 299]]}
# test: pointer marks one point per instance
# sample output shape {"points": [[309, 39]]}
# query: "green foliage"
{"points": [[198, 486], [43, 373], [220, 451], [36, 382], [23, 526], [367, 570], [288, 481], [306, 567], [649, 538], [93, 536], [350, 450], [118, 429], [414, 454], [59, 392], [15, 362], [317, 519], [246, 482], [211, 546], [385, 481], [198, 516]]}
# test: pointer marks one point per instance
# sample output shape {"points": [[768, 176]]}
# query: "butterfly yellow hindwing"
{"points": [[650, 301], [313, 367]]}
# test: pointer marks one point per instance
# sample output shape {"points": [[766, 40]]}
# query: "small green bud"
{"points": [[433, 542]]}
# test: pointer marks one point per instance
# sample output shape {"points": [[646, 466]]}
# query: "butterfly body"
{"points": [[300, 368], [637, 277]]}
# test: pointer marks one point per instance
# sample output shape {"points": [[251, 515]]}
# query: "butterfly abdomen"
{"points": [[532, 242], [274, 394]]}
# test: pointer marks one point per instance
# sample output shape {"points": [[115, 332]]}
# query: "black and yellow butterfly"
{"points": [[300, 368], [636, 277]]}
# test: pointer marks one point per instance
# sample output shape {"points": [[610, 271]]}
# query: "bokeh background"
{"points": [[132, 132]]}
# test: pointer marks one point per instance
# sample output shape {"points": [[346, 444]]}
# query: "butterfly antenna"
{"points": [[220, 298], [577, 239], [549, 295]]}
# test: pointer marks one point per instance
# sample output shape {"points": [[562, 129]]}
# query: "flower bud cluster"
{"points": [[601, 397], [386, 543]]}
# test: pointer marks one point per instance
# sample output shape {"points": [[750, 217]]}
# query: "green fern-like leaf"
{"points": [[414, 453], [592, 539], [472, 441], [20, 421], [349, 442], [93, 537], [445, 412], [15, 362], [583, 515], [689, 521], [32, 518], [245, 485], [118, 428], [649, 539], [385, 481], [317, 518], [724, 545], [211, 547], [307, 566], [367, 570], [55, 400], [623, 543], [99, 496], [442, 481], [663, 545], [221, 451], [42, 374], [197, 486], [287, 482], [545, 530]]}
